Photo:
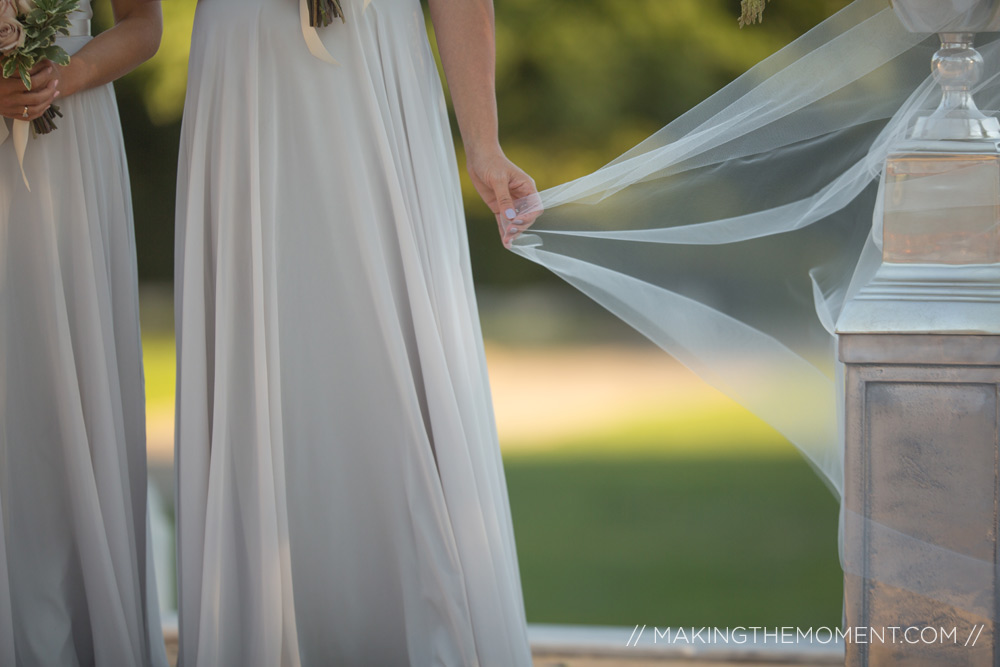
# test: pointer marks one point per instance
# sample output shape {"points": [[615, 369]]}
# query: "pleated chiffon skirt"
{"points": [[76, 585], [341, 497]]}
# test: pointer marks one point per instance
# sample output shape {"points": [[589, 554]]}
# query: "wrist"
{"points": [[481, 150], [68, 80]]}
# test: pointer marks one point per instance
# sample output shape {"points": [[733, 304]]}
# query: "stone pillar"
{"points": [[921, 347], [920, 497]]}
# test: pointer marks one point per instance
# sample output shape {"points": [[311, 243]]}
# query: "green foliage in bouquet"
{"points": [[322, 12], [752, 11], [42, 24]]}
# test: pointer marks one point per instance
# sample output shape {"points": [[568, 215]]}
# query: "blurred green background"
{"points": [[670, 515]]}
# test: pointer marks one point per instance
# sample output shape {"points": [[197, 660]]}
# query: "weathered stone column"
{"points": [[923, 412], [921, 348]]}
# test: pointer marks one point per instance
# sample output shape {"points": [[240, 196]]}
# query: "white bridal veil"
{"points": [[732, 236]]}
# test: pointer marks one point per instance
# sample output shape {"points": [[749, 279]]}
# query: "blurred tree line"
{"points": [[578, 83]]}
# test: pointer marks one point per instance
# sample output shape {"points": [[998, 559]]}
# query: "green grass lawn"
{"points": [[159, 365], [661, 536]]}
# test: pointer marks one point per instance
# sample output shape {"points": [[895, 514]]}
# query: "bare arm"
{"points": [[115, 52], [133, 40], [465, 37]]}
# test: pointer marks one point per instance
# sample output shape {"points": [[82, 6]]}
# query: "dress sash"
{"points": [[79, 28]]}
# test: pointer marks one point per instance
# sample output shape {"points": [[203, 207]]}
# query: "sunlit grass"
{"points": [[694, 431], [682, 541], [158, 360], [695, 513]]}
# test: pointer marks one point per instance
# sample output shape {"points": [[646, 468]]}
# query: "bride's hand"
{"points": [[500, 183], [19, 103]]}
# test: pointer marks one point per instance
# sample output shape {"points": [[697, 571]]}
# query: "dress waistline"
{"points": [[79, 28]]}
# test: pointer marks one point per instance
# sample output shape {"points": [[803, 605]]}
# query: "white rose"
{"points": [[8, 9], [11, 34], [25, 6]]}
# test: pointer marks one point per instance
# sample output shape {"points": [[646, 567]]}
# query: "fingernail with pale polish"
{"points": [[510, 213]]}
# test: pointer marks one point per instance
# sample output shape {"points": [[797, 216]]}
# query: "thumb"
{"points": [[505, 204]]}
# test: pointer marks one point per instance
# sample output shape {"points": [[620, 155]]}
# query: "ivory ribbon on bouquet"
{"points": [[311, 35], [22, 130]]}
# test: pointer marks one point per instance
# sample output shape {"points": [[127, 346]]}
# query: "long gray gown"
{"points": [[341, 497], [76, 584]]}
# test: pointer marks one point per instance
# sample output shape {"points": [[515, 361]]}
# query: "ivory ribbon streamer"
{"points": [[21, 133], [311, 35]]}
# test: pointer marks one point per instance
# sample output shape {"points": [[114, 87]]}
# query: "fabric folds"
{"points": [[76, 583], [341, 497]]}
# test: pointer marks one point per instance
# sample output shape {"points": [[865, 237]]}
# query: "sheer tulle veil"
{"points": [[732, 236]]}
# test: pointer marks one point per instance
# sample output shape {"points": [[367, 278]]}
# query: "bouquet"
{"points": [[28, 31], [322, 12]]}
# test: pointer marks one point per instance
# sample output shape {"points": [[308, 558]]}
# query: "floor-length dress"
{"points": [[76, 586], [341, 497]]}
